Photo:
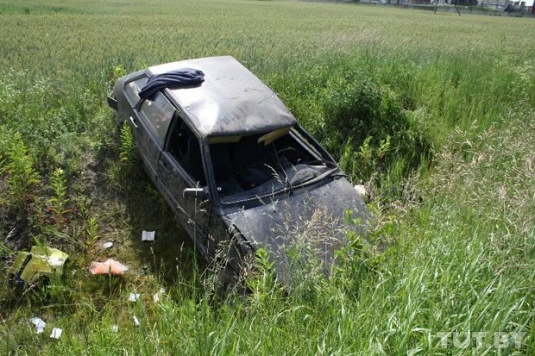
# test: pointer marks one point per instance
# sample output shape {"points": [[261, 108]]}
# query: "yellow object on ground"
{"points": [[41, 261]]}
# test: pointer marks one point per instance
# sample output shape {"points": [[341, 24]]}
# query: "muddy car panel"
{"points": [[311, 219]]}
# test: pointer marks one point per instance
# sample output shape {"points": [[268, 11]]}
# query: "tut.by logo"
{"points": [[479, 340]]}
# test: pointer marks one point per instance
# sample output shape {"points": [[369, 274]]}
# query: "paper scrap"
{"points": [[148, 235], [56, 333], [107, 245], [133, 297], [136, 321], [39, 324], [115, 328], [109, 267], [156, 297]]}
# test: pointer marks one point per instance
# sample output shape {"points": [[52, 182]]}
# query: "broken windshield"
{"points": [[259, 165]]}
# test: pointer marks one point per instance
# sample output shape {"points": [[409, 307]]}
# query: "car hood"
{"points": [[303, 227]]}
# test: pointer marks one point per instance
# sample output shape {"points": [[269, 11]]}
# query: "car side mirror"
{"points": [[195, 192]]}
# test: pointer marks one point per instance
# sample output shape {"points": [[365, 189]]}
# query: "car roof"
{"points": [[230, 101]]}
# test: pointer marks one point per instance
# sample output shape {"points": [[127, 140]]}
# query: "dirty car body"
{"points": [[234, 164]]}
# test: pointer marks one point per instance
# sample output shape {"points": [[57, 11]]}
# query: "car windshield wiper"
{"points": [[317, 162], [307, 173]]}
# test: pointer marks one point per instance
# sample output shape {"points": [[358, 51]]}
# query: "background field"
{"points": [[434, 113]]}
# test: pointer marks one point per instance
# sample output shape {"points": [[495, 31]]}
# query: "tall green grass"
{"points": [[433, 112]]}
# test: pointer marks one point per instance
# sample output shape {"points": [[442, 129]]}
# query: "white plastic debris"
{"points": [[39, 324], [107, 245], [136, 321], [148, 235], [361, 189], [156, 297], [133, 297], [115, 328], [56, 333]]}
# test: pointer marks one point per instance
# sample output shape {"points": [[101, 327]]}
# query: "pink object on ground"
{"points": [[109, 267]]}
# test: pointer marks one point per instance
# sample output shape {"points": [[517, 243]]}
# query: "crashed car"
{"points": [[234, 164]]}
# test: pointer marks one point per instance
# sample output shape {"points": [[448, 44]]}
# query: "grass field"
{"points": [[434, 113]]}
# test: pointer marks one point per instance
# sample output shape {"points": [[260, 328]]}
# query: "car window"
{"points": [[158, 113], [251, 168], [133, 88], [184, 146]]}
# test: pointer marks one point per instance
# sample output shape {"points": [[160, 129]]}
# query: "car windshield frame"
{"points": [[312, 172]]}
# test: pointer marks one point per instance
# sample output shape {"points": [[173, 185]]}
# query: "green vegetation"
{"points": [[434, 113]]}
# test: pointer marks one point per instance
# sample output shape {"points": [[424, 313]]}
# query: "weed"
{"points": [[126, 147], [263, 283], [57, 204], [17, 166], [116, 73], [92, 230]]}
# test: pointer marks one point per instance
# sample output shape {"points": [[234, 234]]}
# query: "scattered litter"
{"points": [[41, 261], [136, 321], [156, 297], [109, 267], [133, 297], [12, 232], [361, 189], [39, 324], [115, 328], [107, 245], [148, 235], [145, 269], [56, 333]]}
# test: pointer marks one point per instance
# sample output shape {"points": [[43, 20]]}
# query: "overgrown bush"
{"points": [[369, 131], [371, 123]]}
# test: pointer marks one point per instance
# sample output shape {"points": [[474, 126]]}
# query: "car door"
{"points": [[180, 166], [149, 121], [154, 116]]}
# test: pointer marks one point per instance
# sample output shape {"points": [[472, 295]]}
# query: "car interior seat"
{"points": [[193, 161]]}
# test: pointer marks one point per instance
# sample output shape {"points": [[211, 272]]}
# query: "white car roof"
{"points": [[230, 101]]}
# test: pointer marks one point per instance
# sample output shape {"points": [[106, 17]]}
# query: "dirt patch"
{"points": [[14, 227]]}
